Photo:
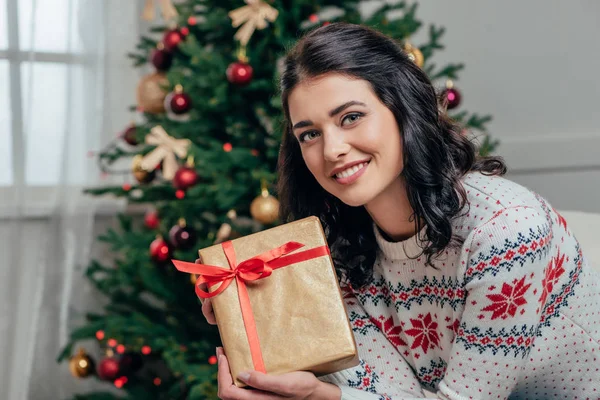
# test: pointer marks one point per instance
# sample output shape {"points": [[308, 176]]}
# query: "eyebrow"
{"points": [[335, 111]]}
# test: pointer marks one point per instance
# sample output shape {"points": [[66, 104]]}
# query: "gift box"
{"points": [[277, 301]]}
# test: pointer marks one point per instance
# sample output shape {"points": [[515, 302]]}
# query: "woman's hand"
{"points": [[207, 309], [295, 385]]}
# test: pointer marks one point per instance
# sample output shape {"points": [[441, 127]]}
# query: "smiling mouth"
{"points": [[350, 171], [351, 174]]}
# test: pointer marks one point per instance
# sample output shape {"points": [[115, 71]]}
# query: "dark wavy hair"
{"points": [[436, 154]]}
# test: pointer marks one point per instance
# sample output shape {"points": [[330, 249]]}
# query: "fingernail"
{"points": [[220, 359], [244, 376]]}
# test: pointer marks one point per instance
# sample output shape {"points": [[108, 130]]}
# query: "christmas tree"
{"points": [[204, 158]]}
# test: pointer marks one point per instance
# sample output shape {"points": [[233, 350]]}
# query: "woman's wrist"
{"points": [[326, 391]]}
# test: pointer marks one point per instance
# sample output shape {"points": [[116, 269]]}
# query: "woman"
{"points": [[457, 280]]}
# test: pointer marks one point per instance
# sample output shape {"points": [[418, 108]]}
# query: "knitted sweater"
{"points": [[513, 312]]}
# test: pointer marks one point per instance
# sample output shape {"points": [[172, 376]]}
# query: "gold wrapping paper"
{"points": [[300, 316]]}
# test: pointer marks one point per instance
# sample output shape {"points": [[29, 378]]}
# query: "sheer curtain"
{"points": [[65, 88]]}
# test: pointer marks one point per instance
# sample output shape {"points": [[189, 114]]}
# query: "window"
{"points": [[38, 55], [52, 97]]}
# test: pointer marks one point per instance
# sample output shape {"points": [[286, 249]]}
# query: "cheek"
{"points": [[385, 136], [396, 156], [393, 152], [313, 160]]}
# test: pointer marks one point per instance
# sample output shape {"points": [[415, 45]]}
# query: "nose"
{"points": [[335, 145]]}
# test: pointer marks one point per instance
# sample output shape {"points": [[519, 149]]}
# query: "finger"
{"points": [[223, 374], [228, 391], [224, 378], [208, 312], [278, 384]]}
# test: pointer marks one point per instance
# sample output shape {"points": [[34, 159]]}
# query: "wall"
{"points": [[534, 66]]}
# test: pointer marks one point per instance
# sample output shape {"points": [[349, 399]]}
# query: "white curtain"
{"points": [[65, 88]]}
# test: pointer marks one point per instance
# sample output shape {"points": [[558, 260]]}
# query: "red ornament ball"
{"points": [[160, 251], [172, 39], [239, 73], [212, 360], [185, 177], [182, 237], [129, 136], [151, 220], [108, 369], [161, 59], [453, 97], [180, 103]]}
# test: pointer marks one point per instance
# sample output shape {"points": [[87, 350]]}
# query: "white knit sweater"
{"points": [[512, 313]]}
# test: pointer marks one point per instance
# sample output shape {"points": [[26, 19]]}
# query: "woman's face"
{"points": [[349, 140]]}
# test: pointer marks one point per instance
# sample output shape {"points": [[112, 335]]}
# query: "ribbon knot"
{"points": [[252, 270]]}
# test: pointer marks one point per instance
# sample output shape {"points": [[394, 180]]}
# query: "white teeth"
{"points": [[350, 171]]}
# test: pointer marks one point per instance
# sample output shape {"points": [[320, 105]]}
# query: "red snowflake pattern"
{"points": [[510, 298], [424, 333], [553, 273], [561, 220], [454, 326], [390, 331]]}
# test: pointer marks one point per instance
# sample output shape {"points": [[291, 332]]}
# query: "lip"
{"points": [[346, 166], [354, 177]]}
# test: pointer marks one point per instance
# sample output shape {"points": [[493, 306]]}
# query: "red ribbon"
{"points": [[258, 267]]}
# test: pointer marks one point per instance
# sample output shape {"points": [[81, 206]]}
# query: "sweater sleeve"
{"points": [[503, 267], [382, 374]]}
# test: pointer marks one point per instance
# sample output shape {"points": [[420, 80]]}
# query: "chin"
{"points": [[354, 200]]}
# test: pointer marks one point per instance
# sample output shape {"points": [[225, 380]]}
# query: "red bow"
{"points": [[250, 270]]}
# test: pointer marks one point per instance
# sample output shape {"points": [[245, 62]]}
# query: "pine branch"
{"points": [[435, 34], [478, 122], [450, 72]]}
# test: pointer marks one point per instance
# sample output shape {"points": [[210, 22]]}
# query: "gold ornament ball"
{"points": [[141, 175], [151, 93], [81, 365], [265, 209], [415, 55]]}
